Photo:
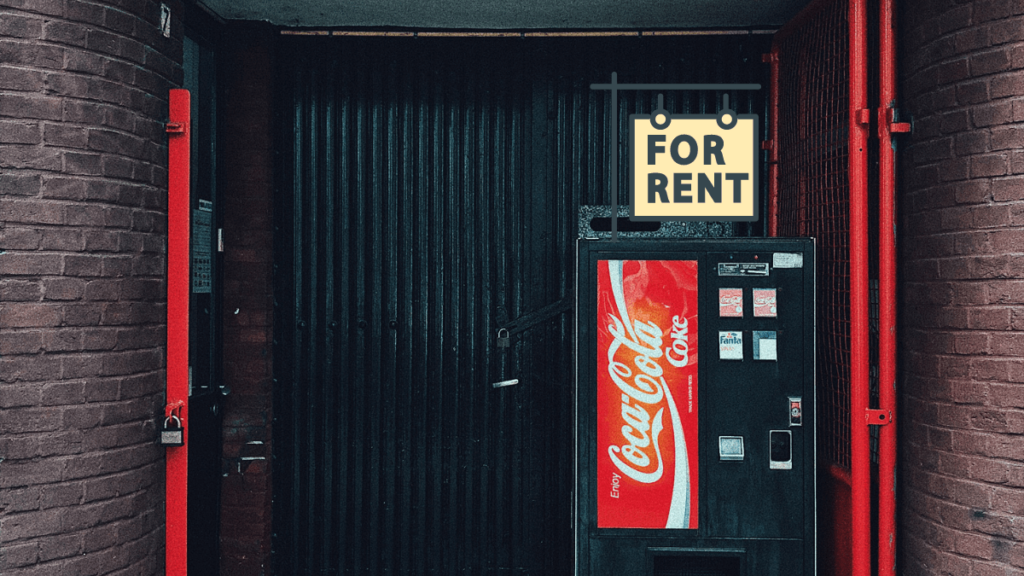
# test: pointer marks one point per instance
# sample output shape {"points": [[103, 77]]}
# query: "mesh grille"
{"points": [[814, 198]]}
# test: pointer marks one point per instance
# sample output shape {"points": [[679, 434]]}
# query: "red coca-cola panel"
{"points": [[647, 466]]}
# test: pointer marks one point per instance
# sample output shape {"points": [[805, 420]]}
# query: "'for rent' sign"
{"points": [[694, 167]]}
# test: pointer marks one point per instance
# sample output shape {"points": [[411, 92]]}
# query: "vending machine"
{"points": [[695, 407]]}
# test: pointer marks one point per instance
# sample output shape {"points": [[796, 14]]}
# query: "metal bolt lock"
{"points": [[503, 338], [172, 434]]}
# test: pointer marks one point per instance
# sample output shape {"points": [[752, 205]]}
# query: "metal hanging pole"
{"points": [[615, 156]]}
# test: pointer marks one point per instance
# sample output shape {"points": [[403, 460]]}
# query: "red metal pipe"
{"points": [[773, 139], [887, 294], [860, 456], [178, 130]]}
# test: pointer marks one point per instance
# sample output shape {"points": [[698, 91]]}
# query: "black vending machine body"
{"points": [[695, 407]]}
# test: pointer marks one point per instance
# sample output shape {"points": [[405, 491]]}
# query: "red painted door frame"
{"points": [[178, 225]]}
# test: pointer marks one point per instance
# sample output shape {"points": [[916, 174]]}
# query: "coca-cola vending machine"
{"points": [[695, 407]]}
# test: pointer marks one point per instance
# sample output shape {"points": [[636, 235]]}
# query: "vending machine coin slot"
{"points": [[796, 411]]}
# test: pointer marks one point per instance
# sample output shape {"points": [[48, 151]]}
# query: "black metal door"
{"points": [[429, 187]]}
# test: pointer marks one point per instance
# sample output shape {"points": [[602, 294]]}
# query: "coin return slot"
{"points": [[781, 446]]}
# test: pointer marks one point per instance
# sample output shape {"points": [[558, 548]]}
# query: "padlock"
{"points": [[503, 341], [172, 434]]}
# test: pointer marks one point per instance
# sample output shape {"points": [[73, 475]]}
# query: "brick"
{"points": [[126, 363], [62, 32], [951, 170], [99, 339], [101, 390], [60, 238], [15, 132], [986, 10], [104, 190], [1007, 395], [63, 289], [116, 267], [85, 61], [81, 111], [932, 151], [955, 19], [119, 167], [32, 157], [20, 290], [115, 142], [20, 79], [101, 241], [1007, 137], [1007, 85], [996, 215], [103, 41], [31, 524], [19, 395], [120, 71], [103, 290], [113, 92], [64, 188], [989, 165], [971, 39], [132, 50], [65, 136], [992, 114], [20, 26], [1003, 31], [973, 192], [29, 315], [972, 92], [82, 163], [19, 184], [989, 63], [32, 54]]}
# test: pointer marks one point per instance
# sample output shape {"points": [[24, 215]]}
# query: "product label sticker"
{"points": [[730, 302], [730, 345], [764, 303], [788, 260], [742, 269], [765, 345]]}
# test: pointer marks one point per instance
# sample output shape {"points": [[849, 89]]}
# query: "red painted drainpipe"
{"points": [[860, 456], [887, 290], [178, 129]]}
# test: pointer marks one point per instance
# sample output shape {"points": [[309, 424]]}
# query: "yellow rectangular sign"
{"points": [[694, 167]]}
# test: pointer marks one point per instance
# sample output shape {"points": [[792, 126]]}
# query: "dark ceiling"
{"points": [[514, 14]]}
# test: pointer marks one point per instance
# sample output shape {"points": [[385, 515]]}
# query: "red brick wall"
{"points": [[83, 171], [962, 272], [246, 69]]}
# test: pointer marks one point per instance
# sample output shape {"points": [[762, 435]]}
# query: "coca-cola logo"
{"points": [[643, 391]]}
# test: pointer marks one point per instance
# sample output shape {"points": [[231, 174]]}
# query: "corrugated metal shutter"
{"points": [[427, 185]]}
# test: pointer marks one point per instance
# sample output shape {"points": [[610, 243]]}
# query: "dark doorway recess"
{"points": [[428, 189]]}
